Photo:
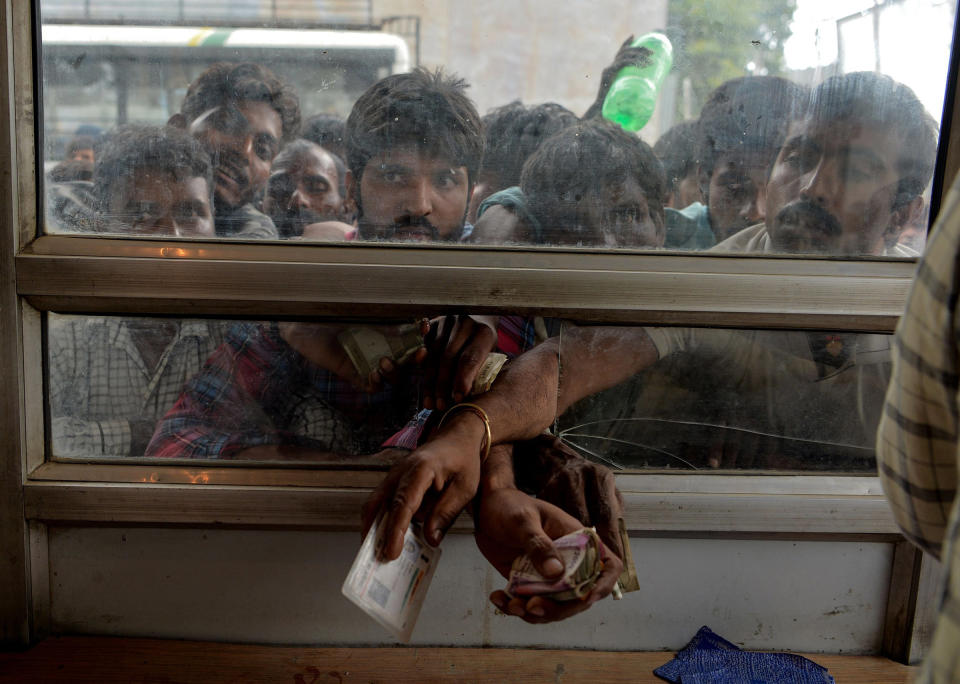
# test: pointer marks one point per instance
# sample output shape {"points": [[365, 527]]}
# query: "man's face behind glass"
{"points": [[407, 195], [304, 189], [737, 191], [160, 204], [832, 187], [242, 140]]}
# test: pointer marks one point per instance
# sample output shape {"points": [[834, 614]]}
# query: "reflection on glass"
{"points": [[629, 397], [191, 389], [110, 379], [782, 127], [685, 398]]}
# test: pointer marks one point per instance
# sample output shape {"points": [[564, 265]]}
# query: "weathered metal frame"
{"points": [[82, 274]]}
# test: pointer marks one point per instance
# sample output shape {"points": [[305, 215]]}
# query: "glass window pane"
{"points": [[793, 126], [695, 399], [209, 389], [629, 397]]}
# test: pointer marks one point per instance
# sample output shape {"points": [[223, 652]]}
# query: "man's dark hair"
{"points": [[327, 131], [162, 149], [747, 115], [876, 99], [677, 151], [582, 160], [224, 84], [513, 132], [423, 109], [81, 142], [301, 146]]}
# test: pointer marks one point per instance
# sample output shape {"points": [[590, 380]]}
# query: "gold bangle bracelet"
{"points": [[480, 413]]}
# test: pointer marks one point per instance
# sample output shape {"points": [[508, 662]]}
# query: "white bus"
{"points": [[104, 75]]}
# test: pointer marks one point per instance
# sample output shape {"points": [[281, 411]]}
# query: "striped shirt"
{"points": [[917, 450]]}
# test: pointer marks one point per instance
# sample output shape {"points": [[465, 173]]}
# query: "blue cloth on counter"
{"points": [[711, 659]]}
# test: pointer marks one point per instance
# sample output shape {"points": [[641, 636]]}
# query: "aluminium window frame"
{"points": [[223, 278]]}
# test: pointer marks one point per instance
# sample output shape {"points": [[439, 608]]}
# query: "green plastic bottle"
{"points": [[633, 93]]}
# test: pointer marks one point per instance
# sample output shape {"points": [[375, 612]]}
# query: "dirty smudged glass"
{"points": [[108, 64]]}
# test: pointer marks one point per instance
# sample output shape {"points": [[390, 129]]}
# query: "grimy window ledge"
{"points": [[674, 504], [107, 659]]}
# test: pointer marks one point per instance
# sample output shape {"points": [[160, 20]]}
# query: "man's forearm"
{"points": [[545, 381], [497, 471], [593, 358], [522, 402]]}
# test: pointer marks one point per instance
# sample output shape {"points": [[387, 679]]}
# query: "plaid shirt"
{"points": [[917, 449], [256, 390], [99, 383]]}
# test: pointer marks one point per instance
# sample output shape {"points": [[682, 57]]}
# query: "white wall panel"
{"points": [[284, 587]]}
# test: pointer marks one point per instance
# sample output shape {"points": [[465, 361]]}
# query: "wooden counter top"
{"points": [[108, 659]]}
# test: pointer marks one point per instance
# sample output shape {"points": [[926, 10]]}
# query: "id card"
{"points": [[392, 593]]}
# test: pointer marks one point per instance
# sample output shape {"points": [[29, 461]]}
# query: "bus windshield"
{"points": [[105, 75]]}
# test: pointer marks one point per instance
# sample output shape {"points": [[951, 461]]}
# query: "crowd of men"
{"points": [[769, 167]]}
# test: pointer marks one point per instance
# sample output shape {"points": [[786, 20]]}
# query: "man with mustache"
{"points": [[288, 391], [847, 179], [850, 173], [241, 113], [307, 186], [414, 143], [414, 146], [741, 128]]}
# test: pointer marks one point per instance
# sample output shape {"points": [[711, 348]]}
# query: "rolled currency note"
{"points": [[580, 554], [628, 579], [367, 345], [488, 373]]}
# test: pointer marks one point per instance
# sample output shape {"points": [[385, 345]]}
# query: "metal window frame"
{"points": [[100, 275]]}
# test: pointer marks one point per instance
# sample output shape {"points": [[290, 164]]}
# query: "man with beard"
{"points": [[307, 186], [414, 145], [241, 113], [847, 178], [288, 391], [850, 174], [741, 128]]}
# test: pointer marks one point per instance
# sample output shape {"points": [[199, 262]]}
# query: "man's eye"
{"points": [[279, 186], [265, 152], [857, 172], [793, 160], [392, 176], [446, 181]]}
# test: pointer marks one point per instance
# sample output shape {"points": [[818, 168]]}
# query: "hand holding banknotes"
{"points": [[457, 348], [510, 524], [358, 354], [550, 470], [453, 350]]}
